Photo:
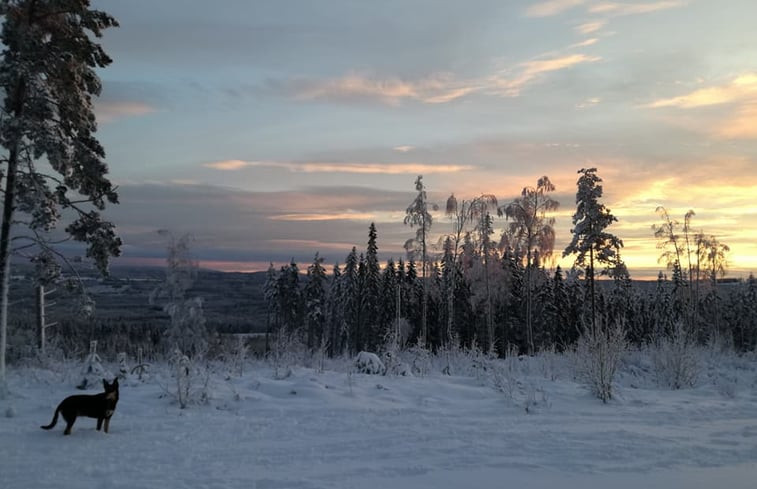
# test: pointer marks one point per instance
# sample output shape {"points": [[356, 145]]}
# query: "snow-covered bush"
{"points": [[676, 358], [123, 369], [421, 360], [597, 356], [92, 372], [191, 381], [548, 360], [394, 364], [369, 363], [288, 351]]}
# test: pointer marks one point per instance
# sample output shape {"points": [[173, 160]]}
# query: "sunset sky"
{"points": [[272, 130]]}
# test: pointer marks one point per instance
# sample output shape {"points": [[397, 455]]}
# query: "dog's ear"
{"points": [[115, 382], [105, 384]]}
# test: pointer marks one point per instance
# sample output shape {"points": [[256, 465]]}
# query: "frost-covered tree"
{"points": [[591, 243], [52, 161], [388, 312], [315, 302], [290, 298], [186, 333], [271, 297], [350, 298], [481, 209], [372, 292], [335, 316], [418, 215], [531, 233]]}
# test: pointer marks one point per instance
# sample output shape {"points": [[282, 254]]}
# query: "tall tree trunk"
{"points": [[529, 320], [5, 231], [593, 295], [424, 306]]}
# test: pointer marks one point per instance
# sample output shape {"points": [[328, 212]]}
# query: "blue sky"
{"points": [[272, 130]]}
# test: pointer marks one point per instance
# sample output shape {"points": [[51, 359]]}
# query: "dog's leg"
{"points": [[69, 425], [107, 424]]}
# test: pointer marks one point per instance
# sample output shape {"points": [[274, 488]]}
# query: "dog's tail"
{"points": [[54, 421]]}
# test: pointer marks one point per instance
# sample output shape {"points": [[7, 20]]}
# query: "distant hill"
{"points": [[232, 302]]}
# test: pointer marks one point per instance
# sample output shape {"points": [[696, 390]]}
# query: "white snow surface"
{"points": [[335, 429]]}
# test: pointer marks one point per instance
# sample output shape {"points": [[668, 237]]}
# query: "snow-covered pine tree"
{"points": [[372, 293], [513, 314], [335, 318], [350, 298], [271, 296], [47, 129], [447, 293], [315, 303], [591, 244], [290, 298], [359, 333], [413, 301], [565, 325], [388, 304]]}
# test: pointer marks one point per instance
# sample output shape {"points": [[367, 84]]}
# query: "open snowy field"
{"points": [[332, 429]]}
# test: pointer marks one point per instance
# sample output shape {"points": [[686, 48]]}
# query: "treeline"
{"points": [[501, 295], [359, 307]]}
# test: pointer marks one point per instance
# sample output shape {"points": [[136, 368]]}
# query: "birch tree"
{"points": [[418, 215], [530, 230], [52, 161]]}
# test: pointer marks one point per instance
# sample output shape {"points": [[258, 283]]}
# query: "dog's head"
{"points": [[111, 395]]}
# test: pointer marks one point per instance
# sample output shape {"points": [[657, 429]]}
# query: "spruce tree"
{"points": [[315, 302], [350, 300], [372, 292]]}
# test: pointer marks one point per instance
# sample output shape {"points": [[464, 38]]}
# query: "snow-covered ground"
{"points": [[341, 430]]}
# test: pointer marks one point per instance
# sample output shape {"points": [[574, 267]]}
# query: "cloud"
{"points": [[739, 98], [403, 149], [361, 216], [741, 125], [228, 165], [590, 27], [339, 167], [436, 89], [589, 102], [740, 88], [620, 9], [552, 7], [531, 70], [583, 44], [111, 111]]}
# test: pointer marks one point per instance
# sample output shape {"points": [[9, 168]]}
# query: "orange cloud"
{"points": [[590, 27], [740, 88], [323, 216], [618, 9], [227, 165], [110, 111], [530, 70], [437, 89], [552, 7], [743, 124], [338, 167], [739, 123], [587, 42]]}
